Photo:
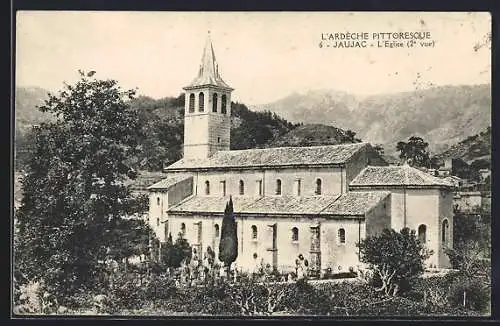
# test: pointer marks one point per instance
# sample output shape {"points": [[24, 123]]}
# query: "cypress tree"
{"points": [[228, 246]]}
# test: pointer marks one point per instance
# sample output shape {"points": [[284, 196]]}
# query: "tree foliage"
{"points": [[396, 258], [162, 129], [256, 129], [228, 247], [415, 151], [130, 237], [174, 253], [471, 245], [73, 188]]}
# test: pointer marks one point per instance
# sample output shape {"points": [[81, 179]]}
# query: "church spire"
{"points": [[208, 74], [208, 61]]}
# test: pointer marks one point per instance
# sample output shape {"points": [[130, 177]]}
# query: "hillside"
{"points": [[313, 135], [471, 149], [441, 115], [162, 123]]}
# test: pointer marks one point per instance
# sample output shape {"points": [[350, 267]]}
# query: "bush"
{"points": [[159, 288], [127, 292], [477, 296], [397, 259]]}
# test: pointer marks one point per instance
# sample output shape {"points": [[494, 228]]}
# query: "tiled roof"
{"points": [[281, 156], [170, 181], [403, 175], [209, 204], [340, 205], [290, 205], [355, 203], [144, 180]]}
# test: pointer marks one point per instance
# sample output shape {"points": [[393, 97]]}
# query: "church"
{"points": [[316, 201]]}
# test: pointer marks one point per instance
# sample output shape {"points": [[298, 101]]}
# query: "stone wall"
{"points": [[331, 181], [335, 255]]}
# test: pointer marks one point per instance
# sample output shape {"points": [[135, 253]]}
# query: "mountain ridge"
{"points": [[442, 115]]}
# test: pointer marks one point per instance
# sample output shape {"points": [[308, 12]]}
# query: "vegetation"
{"points": [[71, 216], [395, 258], [228, 247], [256, 129], [158, 295], [174, 253], [475, 150], [314, 135], [415, 151]]}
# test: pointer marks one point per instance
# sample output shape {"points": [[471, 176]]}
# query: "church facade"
{"points": [[316, 201]]}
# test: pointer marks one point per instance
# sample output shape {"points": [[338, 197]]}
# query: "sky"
{"points": [[263, 55]]}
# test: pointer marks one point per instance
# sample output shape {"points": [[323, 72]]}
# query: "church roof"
{"points": [[211, 204], [356, 203], [273, 157], [350, 204], [208, 74], [289, 205], [403, 175], [169, 181]]}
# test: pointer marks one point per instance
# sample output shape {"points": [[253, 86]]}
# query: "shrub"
{"points": [[127, 293], [477, 296], [397, 259]]}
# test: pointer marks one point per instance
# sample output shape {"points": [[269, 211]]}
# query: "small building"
{"points": [[468, 202], [484, 173]]}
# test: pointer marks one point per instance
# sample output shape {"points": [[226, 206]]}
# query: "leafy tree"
{"points": [[73, 188], [471, 244], [174, 253], [167, 252], [228, 246], [396, 258], [130, 237], [471, 228], [415, 151]]}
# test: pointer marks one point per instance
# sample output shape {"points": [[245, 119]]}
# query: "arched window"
{"points": [[216, 230], [444, 233], [191, 103], [422, 230], [295, 234], [318, 187], [201, 102], [242, 187], [214, 102], [278, 187], [158, 201], [157, 221], [183, 229], [341, 235], [223, 104], [254, 232], [207, 187]]}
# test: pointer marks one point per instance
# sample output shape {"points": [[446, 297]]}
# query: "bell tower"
{"points": [[207, 112]]}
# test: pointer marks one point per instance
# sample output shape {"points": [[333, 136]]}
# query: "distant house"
{"points": [[484, 173], [467, 202], [456, 181]]}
